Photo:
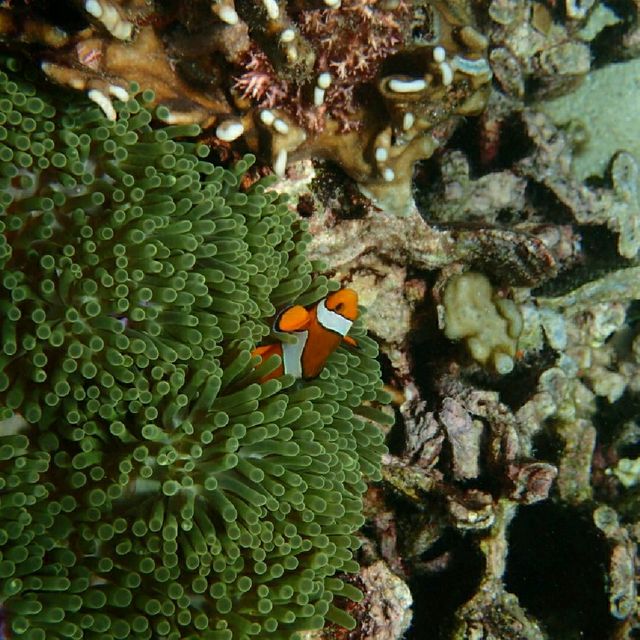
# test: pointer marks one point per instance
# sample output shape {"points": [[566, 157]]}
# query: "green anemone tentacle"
{"points": [[150, 485]]}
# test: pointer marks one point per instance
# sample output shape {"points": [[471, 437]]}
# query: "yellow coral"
{"points": [[489, 324]]}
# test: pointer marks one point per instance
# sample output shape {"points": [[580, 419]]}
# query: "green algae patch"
{"points": [[150, 485]]}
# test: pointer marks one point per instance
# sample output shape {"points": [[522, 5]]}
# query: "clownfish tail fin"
{"points": [[264, 351], [352, 342]]}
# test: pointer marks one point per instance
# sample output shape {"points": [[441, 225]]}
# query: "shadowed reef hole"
{"points": [[436, 596], [556, 567]]}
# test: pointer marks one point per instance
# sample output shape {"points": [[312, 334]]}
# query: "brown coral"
{"points": [[372, 85]]}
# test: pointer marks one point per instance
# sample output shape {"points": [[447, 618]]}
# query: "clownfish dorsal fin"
{"points": [[296, 318]]}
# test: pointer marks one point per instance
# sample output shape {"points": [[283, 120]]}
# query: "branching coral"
{"points": [[150, 485], [373, 85]]}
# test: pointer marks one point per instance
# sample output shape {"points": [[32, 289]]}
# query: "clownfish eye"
{"points": [[339, 306]]}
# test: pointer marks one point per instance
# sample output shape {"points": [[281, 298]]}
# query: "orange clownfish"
{"points": [[318, 332]]}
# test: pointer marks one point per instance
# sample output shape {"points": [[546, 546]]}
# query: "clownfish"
{"points": [[318, 331]]}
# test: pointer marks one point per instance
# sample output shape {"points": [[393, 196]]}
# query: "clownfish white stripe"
{"points": [[332, 321], [292, 353]]}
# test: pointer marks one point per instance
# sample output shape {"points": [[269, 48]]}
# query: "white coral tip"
{"points": [[103, 102], [382, 155], [408, 120], [447, 73], [122, 30], [93, 8], [110, 17], [228, 14], [439, 54], [503, 363], [267, 116], [118, 92], [281, 126], [324, 80], [388, 175], [229, 130], [280, 163], [398, 85], [272, 8]]}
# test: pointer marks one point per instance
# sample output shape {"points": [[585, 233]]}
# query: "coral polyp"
{"points": [[152, 485], [372, 85]]}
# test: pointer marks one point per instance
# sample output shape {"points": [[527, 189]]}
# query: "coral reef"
{"points": [[372, 85], [508, 503], [538, 461], [528, 43], [151, 484]]}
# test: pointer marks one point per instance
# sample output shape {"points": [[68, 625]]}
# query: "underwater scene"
{"points": [[319, 319]]}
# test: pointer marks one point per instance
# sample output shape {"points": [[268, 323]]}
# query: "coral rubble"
{"points": [[151, 484]]}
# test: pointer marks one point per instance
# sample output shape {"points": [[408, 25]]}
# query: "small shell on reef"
{"points": [[89, 53]]}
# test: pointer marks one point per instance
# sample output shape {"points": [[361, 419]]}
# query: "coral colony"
{"points": [[371, 85], [155, 480]]}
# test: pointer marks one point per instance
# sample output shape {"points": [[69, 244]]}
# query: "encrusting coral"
{"points": [[489, 324], [151, 485], [373, 85]]}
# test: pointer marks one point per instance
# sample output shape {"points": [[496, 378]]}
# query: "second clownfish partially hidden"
{"points": [[318, 332]]}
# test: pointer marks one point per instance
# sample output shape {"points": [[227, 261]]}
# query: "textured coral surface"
{"points": [[510, 499]]}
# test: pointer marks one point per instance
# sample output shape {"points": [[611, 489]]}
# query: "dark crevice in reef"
{"points": [[548, 446], [515, 144], [491, 147], [334, 190], [436, 596], [429, 350], [631, 450], [515, 387], [61, 13], [396, 438], [610, 417], [633, 314], [427, 182], [606, 46], [600, 257], [541, 198], [556, 567]]}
